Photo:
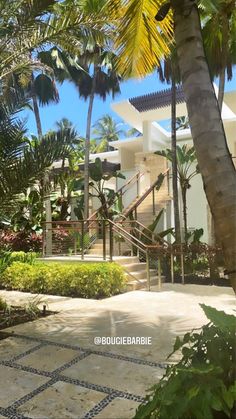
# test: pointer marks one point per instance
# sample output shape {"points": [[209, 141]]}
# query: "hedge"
{"points": [[86, 280]]}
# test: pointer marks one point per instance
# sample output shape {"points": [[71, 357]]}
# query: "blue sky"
{"points": [[75, 109]]}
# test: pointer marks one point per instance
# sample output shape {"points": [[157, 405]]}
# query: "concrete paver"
{"points": [[51, 367], [48, 358], [119, 409], [16, 384], [123, 375], [64, 399]]}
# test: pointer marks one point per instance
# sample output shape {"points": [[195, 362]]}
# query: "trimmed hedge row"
{"points": [[86, 280]]}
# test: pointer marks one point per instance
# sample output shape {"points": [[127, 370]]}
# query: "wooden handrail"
{"points": [[145, 194]]}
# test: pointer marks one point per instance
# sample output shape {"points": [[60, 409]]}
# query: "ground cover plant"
{"points": [[202, 384], [11, 315], [86, 280]]}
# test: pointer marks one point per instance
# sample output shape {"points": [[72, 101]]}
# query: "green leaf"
{"points": [[225, 322]]}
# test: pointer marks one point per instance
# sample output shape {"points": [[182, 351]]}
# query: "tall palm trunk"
{"points": [[36, 108], [87, 146], [215, 163], [174, 161], [224, 55], [184, 199], [44, 180]]}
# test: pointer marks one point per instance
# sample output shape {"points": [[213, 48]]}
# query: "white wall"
{"points": [[197, 207]]}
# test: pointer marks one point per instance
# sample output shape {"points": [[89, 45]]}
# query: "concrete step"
{"points": [[141, 274], [141, 284], [123, 260], [135, 267]]}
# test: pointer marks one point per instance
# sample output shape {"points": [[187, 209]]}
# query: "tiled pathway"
{"points": [[50, 368], [55, 380]]}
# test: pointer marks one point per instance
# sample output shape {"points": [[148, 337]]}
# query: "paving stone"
{"points": [[11, 347], [49, 358], [114, 373], [61, 400], [119, 409], [15, 384]]}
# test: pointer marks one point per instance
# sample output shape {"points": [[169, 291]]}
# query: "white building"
{"points": [[141, 166]]}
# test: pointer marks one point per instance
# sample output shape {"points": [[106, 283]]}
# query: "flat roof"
{"points": [[157, 100]]}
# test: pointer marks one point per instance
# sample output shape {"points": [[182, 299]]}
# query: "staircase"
{"points": [[129, 249]]}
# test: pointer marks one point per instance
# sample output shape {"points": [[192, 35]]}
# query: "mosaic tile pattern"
{"points": [[48, 376]]}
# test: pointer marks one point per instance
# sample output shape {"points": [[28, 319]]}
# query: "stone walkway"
{"points": [[51, 368]]}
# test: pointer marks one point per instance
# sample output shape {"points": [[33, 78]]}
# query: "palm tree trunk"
{"points": [[224, 55], [44, 180], [215, 163], [36, 108], [174, 162], [87, 146], [184, 198]]}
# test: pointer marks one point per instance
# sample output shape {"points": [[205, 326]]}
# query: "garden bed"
{"points": [[200, 280], [13, 315]]}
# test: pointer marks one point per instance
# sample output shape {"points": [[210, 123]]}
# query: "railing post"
{"points": [[159, 273], [172, 266], [153, 202], [73, 226], [104, 238], [137, 180], [82, 244], [148, 270], [182, 264], [135, 214], [111, 242]]}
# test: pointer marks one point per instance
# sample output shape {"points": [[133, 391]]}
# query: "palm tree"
{"points": [[93, 74], [22, 162], [106, 130], [186, 157], [219, 35], [141, 44], [27, 26], [182, 122], [170, 73]]}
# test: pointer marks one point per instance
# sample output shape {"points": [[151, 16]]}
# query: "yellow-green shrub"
{"points": [[87, 280]]}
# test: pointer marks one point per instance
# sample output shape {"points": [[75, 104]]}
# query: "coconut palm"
{"points": [[28, 26], [219, 34], [141, 43], [106, 130], [93, 74], [169, 72]]}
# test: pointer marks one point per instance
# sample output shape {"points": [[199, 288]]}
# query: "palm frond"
{"points": [[141, 42]]}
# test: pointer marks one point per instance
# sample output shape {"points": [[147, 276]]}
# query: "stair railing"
{"points": [[121, 191], [134, 207]]}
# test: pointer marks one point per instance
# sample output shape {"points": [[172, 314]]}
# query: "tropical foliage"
{"points": [[106, 130], [202, 383], [22, 163], [186, 169]]}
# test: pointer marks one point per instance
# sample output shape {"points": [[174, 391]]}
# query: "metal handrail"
{"points": [[145, 194], [147, 229], [125, 232], [137, 176]]}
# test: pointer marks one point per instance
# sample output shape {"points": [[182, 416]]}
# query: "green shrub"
{"points": [[202, 385], [7, 258], [87, 280], [25, 257]]}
